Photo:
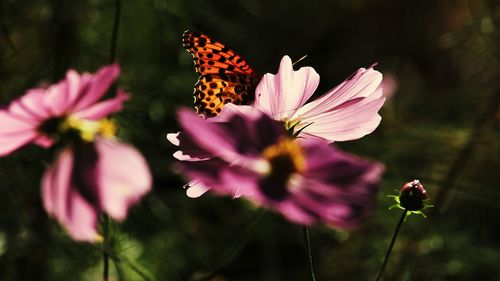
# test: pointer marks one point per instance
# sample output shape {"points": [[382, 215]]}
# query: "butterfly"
{"points": [[225, 77]]}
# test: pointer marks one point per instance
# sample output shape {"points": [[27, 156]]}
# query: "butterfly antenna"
{"points": [[299, 60]]}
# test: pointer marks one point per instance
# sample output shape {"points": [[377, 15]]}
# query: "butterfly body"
{"points": [[225, 77]]}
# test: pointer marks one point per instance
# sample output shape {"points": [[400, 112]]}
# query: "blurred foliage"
{"points": [[440, 124]]}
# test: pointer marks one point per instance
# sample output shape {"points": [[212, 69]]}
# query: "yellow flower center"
{"points": [[285, 158], [88, 130], [282, 164], [108, 128]]}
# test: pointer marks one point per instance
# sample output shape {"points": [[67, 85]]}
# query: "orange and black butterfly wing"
{"points": [[212, 91], [225, 77]]}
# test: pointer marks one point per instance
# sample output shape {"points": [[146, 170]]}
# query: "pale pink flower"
{"points": [[347, 112], [93, 173]]}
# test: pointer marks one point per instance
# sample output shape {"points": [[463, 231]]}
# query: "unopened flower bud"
{"points": [[412, 196]]}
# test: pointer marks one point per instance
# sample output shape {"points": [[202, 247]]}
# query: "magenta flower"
{"points": [[347, 112], [307, 181], [38, 116], [93, 172]]}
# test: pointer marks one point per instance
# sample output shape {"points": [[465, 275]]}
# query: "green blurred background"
{"points": [[440, 125]]}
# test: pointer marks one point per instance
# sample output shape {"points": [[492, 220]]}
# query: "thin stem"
{"points": [[307, 241], [105, 227], [114, 35], [105, 250], [400, 223]]}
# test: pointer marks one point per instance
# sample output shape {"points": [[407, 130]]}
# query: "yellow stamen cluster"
{"points": [[88, 130], [108, 128]]}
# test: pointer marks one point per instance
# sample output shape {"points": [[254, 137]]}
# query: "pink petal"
{"points": [[30, 107], [211, 137], [60, 97], [362, 84], [282, 94], [239, 183], [342, 198], [10, 144], [182, 156], [173, 138], [347, 123], [237, 142], [294, 213], [215, 175], [43, 141], [189, 151], [123, 177], [14, 133], [195, 189], [232, 109], [82, 225], [62, 200], [104, 108], [97, 87], [55, 185]]}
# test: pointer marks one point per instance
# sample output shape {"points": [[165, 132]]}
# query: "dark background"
{"points": [[440, 125]]}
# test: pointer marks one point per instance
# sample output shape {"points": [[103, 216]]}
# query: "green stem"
{"points": [[114, 34], [307, 241], [105, 245], [387, 255], [112, 57]]}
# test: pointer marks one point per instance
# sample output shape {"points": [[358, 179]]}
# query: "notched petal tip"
{"points": [[285, 63]]}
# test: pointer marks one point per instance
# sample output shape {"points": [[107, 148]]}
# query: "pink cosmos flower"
{"points": [[305, 180], [93, 172], [37, 116], [347, 112]]}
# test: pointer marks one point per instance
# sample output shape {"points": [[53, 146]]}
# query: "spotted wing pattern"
{"points": [[225, 77]]}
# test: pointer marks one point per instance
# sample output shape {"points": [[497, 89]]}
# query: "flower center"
{"points": [[70, 128], [88, 130], [285, 159]]}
